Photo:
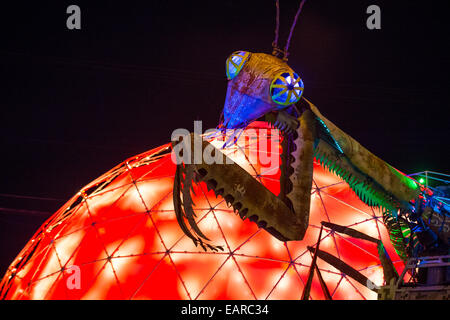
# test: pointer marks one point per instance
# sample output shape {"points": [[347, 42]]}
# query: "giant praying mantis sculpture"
{"points": [[264, 87]]}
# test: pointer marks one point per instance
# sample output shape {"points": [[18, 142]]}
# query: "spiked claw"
{"points": [[259, 202]]}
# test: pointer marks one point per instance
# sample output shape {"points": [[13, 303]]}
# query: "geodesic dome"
{"points": [[121, 232]]}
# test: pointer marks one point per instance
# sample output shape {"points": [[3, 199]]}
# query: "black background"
{"points": [[74, 103]]}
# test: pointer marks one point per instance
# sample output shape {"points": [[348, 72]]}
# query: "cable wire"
{"points": [[286, 48]]}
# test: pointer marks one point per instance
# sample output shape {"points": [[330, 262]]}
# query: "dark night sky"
{"points": [[76, 103]]}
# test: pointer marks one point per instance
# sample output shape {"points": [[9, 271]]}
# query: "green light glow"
{"points": [[421, 180]]}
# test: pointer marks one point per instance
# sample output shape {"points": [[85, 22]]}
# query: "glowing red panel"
{"points": [[121, 232]]}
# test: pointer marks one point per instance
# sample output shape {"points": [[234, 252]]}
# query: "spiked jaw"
{"points": [[248, 95], [241, 191]]}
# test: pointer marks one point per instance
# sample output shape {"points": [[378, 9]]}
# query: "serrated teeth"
{"points": [[243, 213], [237, 206], [262, 224], [229, 199], [211, 184], [256, 219]]}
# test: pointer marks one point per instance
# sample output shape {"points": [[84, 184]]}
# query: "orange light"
{"points": [[128, 245]]}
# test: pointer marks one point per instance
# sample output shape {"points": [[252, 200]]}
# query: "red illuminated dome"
{"points": [[122, 233]]}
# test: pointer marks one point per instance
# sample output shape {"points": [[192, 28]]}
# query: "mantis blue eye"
{"points": [[286, 88], [235, 62]]}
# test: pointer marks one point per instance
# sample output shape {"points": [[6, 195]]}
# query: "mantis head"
{"points": [[258, 84]]}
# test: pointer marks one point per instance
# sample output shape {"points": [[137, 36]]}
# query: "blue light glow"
{"points": [[287, 89], [328, 131], [235, 63]]}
